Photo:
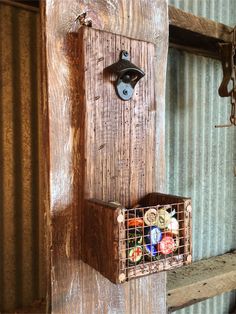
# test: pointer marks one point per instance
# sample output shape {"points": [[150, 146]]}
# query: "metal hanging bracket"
{"points": [[228, 85], [128, 75]]}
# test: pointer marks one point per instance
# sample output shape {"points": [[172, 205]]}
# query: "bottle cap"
{"points": [[173, 226], [176, 239], [162, 219], [135, 254], [153, 236], [150, 217], [151, 252], [135, 236], [135, 222], [167, 245]]}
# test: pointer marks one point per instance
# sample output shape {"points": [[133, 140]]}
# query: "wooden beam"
{"points": [[201, 280], [196, 34]]}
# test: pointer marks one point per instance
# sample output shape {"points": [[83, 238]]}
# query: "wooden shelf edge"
{"points": [[201, 280], [196, 34]]}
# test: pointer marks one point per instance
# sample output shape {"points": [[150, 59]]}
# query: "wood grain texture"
{"points": [[76, 287], [196, 34], [200, 281], [100, 241], [119, 136]]}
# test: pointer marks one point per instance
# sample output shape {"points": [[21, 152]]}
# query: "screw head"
{"points": [[120, 218], [189, 259], [122, 277], [189, 208], [125, 92], [125, 53]]}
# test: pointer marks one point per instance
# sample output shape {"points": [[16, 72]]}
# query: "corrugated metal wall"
{"points": [[200, 158], [20, 216]]}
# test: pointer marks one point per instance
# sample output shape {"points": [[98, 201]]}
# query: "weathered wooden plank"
{"points": [[76, 287], [119, 136], [200, 281], [101, 241], [196, 34]]}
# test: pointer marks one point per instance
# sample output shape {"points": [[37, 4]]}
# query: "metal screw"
{"points": [[125, 92], [189, 208], [120, 218], [122, 277], [125, 53]]}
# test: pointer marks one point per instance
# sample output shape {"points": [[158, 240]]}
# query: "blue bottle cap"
{"points": [[153, 236], [151, 252]]}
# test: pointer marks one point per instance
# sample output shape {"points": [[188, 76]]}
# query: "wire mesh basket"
{"points": [[153, 236]]}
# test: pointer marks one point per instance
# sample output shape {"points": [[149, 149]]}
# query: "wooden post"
{"points": [[73, 286]]}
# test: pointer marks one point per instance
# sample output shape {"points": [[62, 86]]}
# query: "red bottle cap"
{"points": [[135, 254], [167, 245]]}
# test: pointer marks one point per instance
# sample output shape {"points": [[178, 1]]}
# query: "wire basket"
{"points": [[153, 236]]}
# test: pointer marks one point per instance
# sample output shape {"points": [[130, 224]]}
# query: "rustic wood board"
{"points": [[100, 244], [76, 287], [201, 280], [119, 136]]}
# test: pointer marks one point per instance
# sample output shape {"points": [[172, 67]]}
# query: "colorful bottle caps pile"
{"points": [[152, 234]]}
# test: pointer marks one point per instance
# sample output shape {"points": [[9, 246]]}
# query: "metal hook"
{"points": [[228, 59]]}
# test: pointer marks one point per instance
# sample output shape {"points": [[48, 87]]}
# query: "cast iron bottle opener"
{"points": [[128, 76]]}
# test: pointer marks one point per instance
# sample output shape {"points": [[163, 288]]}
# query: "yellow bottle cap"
{"points": [[163, 218], [150, 217]]}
